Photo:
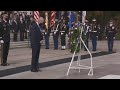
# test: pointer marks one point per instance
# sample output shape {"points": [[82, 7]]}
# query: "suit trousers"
{"points": [[35, 56]]}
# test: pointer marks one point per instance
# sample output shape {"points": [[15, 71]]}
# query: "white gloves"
{"points": [[54, 32], [61, 33], [1, 41], [27, 31]]}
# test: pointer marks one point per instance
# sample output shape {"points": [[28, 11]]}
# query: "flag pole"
{"points": [[69, 40], [46, 20]]}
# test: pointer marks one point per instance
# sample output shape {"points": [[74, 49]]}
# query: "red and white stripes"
{"points": [[53, 14], [36, 15]]}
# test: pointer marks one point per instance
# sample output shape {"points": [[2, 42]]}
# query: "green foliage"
{"points": [[74, 41], [117, 36]]}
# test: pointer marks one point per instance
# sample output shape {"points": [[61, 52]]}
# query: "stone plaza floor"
{"points": [[104, 67]]}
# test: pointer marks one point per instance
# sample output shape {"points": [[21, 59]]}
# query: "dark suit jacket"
{"points": [[15, 26], [35, 34], [22, 26]]}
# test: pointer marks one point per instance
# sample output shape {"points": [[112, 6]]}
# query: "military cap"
{"points": [[86, 20], [94, 20], [4, 13]]}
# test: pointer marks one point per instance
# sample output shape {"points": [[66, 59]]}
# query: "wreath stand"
{"points": [[79, 66]]}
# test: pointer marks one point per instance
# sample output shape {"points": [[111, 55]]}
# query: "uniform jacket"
{"points": [[110, 31], [5, 31]]}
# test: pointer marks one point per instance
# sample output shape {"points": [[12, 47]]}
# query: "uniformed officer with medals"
{"points": [[86, 33], [110, 35], [94, 34], [5, 37], [63, 35]]}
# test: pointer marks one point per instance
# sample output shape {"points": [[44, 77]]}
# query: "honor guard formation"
{"points": [[59, 27]]}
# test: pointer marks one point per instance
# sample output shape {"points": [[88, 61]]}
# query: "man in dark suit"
{"points": [[35, 38], [22, 27], [5, 37], [15, 28]]}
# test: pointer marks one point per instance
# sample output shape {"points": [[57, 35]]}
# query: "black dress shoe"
{"points": [[55, 48], [93, 50], [46, 48], [34, 70], [39, 70], [5, 64]]}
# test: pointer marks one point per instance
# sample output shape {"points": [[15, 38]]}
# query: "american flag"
{"points": [[36, 15], [53, 14]]}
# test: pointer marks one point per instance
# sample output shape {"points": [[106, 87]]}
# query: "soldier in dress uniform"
{"points": [[94, 34], [86, 33], [5, 37], [46, 36], [99, 32], [63, 34], [110, 35], [15, 28], [55, 30]]}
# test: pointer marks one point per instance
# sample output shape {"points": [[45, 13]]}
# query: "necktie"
{"points": [[39, 27]]}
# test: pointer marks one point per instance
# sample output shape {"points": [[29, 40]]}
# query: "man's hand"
{"points": [[41, 41]]}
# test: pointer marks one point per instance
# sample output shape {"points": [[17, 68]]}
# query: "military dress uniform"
{"points": [[63, 35], [86, 33], [47, 35], [55, 30], [110, 35], [5, 36], [94, 34]]}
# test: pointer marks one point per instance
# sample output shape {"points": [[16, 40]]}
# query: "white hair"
{"points": [[41, 19]]}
